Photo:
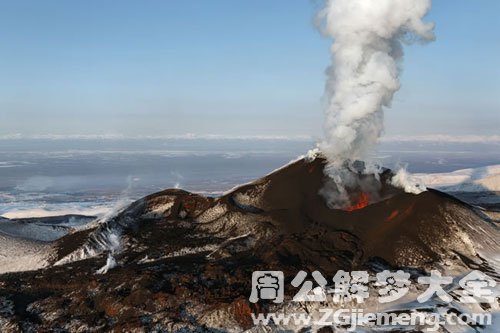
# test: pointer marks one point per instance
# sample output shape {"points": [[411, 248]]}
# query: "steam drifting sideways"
{"points": [[366, 56]]}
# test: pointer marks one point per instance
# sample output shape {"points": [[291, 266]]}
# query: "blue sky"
{"points": [[225, 67]]}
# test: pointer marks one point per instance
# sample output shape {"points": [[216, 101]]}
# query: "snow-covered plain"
{"points": [[485, 179], [476, 186]]}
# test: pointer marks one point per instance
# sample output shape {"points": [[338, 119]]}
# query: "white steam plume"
{"points": [[366, 54]]}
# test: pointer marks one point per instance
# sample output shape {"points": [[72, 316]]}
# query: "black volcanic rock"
{"points": [[185, 261]]}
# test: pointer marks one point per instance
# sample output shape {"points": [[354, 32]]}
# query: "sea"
{"points": [[93, 176]]}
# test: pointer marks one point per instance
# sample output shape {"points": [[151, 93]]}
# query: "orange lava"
{"points": [[393, 215], [362, 202]]}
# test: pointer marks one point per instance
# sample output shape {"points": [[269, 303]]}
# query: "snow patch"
{"points": [[107, 240], [159, 211]]}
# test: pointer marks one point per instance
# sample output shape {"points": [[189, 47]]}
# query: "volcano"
{"points": [[184, 262]]}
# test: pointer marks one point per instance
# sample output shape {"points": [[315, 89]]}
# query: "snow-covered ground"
{"points": [[485, 179], [477, 186], [18, 254]]}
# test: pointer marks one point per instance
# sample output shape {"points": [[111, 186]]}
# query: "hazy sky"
{"points": [[225, 67]]}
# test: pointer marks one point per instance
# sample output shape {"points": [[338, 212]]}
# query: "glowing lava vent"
{"points": [[362, 201]]}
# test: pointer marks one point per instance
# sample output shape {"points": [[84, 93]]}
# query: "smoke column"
{"points": [[366, 53]]}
